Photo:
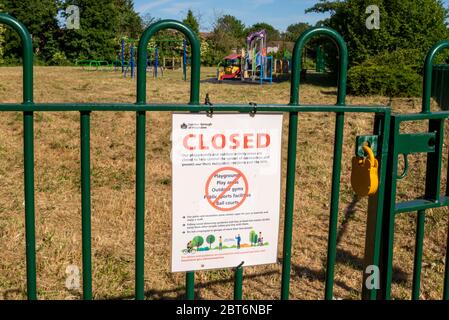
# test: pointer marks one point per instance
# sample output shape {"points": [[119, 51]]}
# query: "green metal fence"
{"points": [[387, 148], [440, 85]]}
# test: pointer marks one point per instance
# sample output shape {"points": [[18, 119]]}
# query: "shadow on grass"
{"points": [[180, 292]]}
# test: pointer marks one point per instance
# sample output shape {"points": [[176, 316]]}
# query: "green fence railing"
{"points": [[378, 208], [440, 85]]}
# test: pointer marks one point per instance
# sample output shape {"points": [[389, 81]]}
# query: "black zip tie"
{"points": [[240, 265], [252, 113], [210, 104]]}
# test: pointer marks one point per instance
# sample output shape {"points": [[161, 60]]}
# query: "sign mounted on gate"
{"points": [[226, 190]]}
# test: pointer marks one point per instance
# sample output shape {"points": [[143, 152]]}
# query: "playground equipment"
{"points": [[230, 67], [257, 66], [126, 58], [320, 60], [164, 63], [386, 141], [440, 85], [252, 64]]}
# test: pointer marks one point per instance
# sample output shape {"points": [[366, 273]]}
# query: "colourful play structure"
{"points": [[252, 64], [255, 64]]}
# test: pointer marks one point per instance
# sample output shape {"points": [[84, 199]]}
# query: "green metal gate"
{"points": [[387, 149]]}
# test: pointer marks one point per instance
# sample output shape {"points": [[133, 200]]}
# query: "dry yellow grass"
{"points": [[58, 221]]}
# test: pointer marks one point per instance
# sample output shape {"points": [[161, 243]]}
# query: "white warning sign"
{"points": [[226, 172]]}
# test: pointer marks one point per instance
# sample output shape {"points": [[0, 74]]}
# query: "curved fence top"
{"points": [[297, 62], [428, 69], [27, 55], [142, 60]]}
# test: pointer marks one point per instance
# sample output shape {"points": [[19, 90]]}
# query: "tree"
{"points": [[130, 23], [228, 34], [97, 38], [198, 241], [295, 30], [192, 22], [147, 20], [210, 239], [253, 237], [272, 33], [2, 37], [39, 16]]}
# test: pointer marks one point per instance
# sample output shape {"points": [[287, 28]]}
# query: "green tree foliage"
{"points": [[192, 22], [102, 24], [387, 60], [2, 37], [210, 239], [272, 33], [96, 37], [39, 16], [253, 237], [228, 34], [295, 30], [130, 23], [198, 241], [406, 24]]}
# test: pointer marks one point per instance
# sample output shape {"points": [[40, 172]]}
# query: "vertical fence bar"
{"points": [[190, 285], [389, 213], [140, 204], [30, 232], [289, 204], [333, 218], [375, 207], [140, 161], [417, 266], [86, 205], [28, 151], [238, 283], [339, 126]]}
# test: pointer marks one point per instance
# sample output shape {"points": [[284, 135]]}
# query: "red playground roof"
{"points": [[232, 56]]}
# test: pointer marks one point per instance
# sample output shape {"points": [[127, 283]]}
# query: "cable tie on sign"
{"points": [[240, 265], [210, 104], [252, 113]]}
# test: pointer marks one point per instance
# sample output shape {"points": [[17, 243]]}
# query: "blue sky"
{"points": [[279, 13]]}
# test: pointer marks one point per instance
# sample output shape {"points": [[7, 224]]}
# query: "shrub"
{"points": [[399, 81], [394, 74], [59, 59]]}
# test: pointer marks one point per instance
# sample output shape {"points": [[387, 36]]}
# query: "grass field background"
{"points": [[58, 215]]}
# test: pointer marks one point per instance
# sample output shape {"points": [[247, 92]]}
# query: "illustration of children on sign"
{"points": [[238, 239], [260, 240], [220, 243]]}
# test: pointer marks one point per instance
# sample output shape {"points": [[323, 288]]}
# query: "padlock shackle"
{"points": [[370, 153]]}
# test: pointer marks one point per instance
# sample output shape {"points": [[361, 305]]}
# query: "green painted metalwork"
{"points": [[190, 285], [388, 148], [238, 282], [360, 141], [28, 149], [86, 204], [338, 144], [420, 219], [430, 143], [440, 85]]}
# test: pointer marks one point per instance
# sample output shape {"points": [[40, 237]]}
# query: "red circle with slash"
{"points": [[237, 176]]}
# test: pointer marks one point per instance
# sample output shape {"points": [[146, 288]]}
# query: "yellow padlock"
{"points": [[364, 175]]}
